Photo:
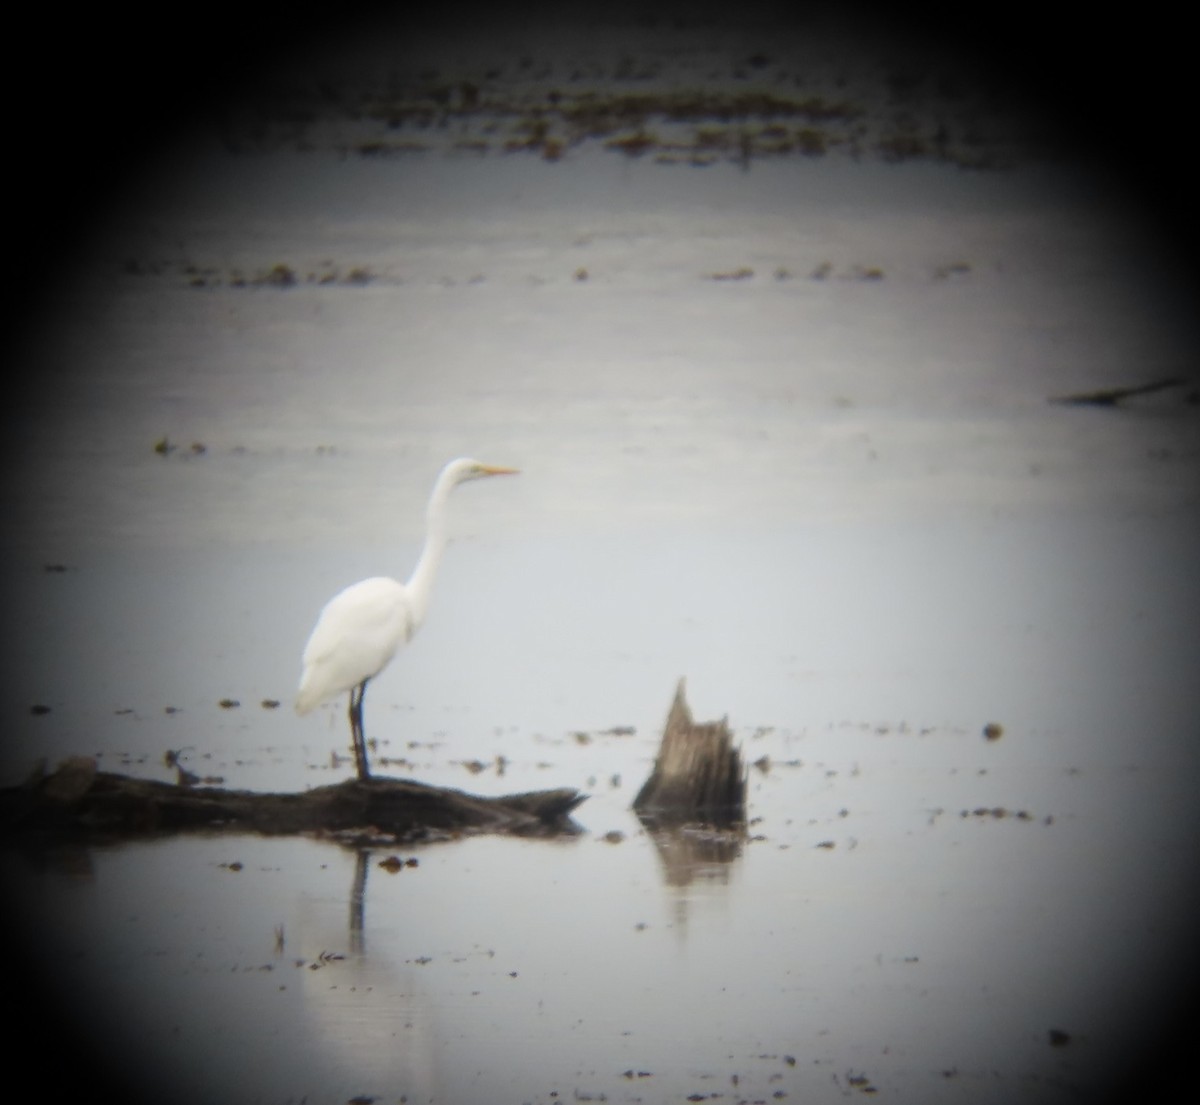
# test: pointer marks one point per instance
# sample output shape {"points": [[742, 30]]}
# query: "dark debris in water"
{"points": [[1111, 397], [999, 813], [861, 1083]]}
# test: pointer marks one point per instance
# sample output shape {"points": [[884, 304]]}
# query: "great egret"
{"points": [[362, 627]]}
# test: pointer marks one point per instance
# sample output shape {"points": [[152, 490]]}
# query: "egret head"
{"points": [[465, 469]]}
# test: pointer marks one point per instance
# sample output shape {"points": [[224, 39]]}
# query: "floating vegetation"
{"points": [[389, 149], [280, 275], [633, 145], [742, 273], [999, 813], [865, 273], [955, 268], [860, 1082]]}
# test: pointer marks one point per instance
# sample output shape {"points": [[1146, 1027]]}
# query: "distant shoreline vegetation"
{"points": [[753, 109]]}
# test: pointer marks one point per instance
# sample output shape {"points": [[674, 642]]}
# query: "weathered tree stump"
{"points": [[698, 775], [78, 802]]}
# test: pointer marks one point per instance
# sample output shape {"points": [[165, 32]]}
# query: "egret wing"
{"points": [[357, 634]]}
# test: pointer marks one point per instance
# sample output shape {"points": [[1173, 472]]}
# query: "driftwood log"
{"points": [[79, 802], [698, 775]]}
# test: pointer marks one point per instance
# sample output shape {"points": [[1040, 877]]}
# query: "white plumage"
{"points": [[359, 631], [362, 627]]}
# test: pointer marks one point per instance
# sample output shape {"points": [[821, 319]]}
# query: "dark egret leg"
{"points": [[356, 730]]}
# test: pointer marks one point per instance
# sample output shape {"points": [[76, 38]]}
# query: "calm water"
{"points": [[842, 508]]}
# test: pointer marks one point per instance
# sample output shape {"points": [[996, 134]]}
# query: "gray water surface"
{"points": [[841, 507]]}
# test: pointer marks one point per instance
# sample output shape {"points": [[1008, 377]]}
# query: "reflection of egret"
{"points": [[370, 1018], [361, 628]]}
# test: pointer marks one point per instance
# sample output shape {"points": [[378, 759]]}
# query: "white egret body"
{"points": [[362, 627]]}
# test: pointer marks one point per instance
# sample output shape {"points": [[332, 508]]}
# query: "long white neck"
{"points": [[420, 583]]}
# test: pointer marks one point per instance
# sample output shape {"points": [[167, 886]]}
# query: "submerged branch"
{"points": [[1110, 397]]}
